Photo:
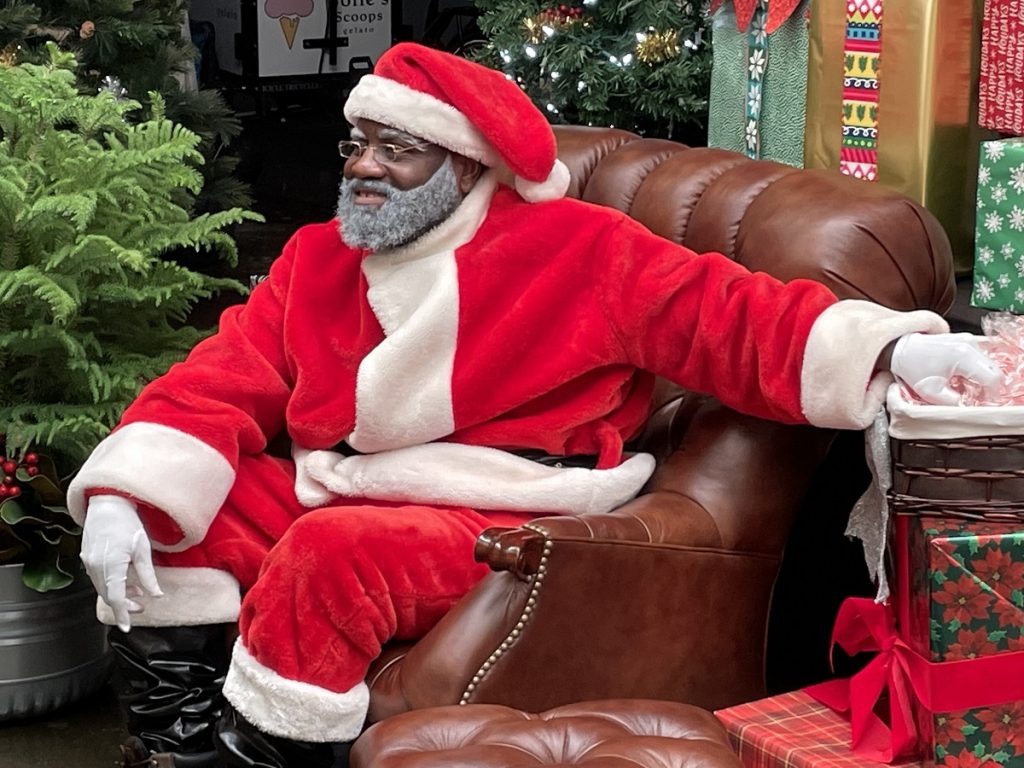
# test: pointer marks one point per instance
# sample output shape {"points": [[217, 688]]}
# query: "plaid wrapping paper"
{"points": [[792, 730]]}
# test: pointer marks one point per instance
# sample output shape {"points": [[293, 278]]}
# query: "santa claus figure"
{"points": [[419, 352]]}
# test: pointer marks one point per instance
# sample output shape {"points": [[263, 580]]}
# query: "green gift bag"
{"points": [[758, 85], [999, 227]]}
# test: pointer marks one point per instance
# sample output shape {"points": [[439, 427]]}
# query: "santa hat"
{"points": [[467, 108]]}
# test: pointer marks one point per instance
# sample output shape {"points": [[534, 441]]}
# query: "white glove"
{"points": [[926, 363], [112, 539]]}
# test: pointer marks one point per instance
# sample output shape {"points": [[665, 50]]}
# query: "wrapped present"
{"points": [[1001, 88], [964, 599], [758, 79], [999, 227], [889, 99], [791, 730]]}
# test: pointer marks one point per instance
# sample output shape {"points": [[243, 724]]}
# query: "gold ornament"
{"points": [[9, 55], [533, 25], [657, 47]]}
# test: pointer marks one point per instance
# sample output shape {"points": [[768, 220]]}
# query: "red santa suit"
{"points": [[511, 326]]}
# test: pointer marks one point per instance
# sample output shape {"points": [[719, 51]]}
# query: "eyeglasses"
{"points": [[385, 153]]}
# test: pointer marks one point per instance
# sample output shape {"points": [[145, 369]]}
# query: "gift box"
{"points": [[791, 730], [999, 227], [964, 600], [758, 79], [891, 97], [1001, 89]]}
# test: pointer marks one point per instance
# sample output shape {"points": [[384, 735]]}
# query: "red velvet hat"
{"points": [[465, 107]]}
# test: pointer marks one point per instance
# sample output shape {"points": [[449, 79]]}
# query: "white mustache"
{"points": [[380, 187]]}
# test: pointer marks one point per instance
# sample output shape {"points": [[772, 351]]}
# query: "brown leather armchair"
{"points": [[668, 597]]}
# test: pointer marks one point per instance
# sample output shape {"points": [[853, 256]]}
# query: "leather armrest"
{"points": [[661, 517]]}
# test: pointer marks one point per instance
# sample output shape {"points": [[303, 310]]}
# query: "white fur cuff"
{"points": [[837, 388], [174, 472], [292, 709], [192, 597]]}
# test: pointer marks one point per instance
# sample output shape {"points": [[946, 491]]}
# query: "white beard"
{"points": [[405, 214]]}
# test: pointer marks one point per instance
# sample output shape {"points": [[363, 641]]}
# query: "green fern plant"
{"points": [[91, 307]]}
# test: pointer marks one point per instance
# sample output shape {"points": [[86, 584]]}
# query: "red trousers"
{"points": [[324, 589]]}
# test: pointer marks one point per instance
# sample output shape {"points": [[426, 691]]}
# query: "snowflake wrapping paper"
{"points": [[999, 230]]}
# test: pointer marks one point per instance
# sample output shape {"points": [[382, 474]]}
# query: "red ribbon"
{"points": [[864, 625]]}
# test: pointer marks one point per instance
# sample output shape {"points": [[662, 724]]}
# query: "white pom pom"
{"points": [[552, 188]]}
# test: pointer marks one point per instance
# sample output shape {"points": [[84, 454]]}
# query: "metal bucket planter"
{"points": [[52, 649]]}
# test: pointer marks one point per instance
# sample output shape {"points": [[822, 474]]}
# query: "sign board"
{"points": [[291, 36]]}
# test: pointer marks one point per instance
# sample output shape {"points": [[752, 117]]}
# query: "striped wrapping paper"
{"points": [[858, 156], [792, 730]]}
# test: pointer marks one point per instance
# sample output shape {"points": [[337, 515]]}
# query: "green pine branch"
{"points": [[91, 206], [591, 71]]}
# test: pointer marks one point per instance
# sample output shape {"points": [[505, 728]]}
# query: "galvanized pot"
{"points": [[53, 651]]}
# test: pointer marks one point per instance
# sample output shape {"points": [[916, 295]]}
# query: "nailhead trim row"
{"points": [[531, 601]]}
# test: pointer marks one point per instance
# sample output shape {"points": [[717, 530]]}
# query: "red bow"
{"points": [[863, 625]]}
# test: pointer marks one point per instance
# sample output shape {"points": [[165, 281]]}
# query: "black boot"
{"points": [[242, 745], [169, 681]]}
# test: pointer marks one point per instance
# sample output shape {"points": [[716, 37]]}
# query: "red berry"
{"points": [[8, 480], [3, 491], [31, 458], [32, 471], [14, 491], [9, 467]]}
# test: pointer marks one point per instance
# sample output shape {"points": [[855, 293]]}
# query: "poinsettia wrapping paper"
{"points": [[966, 600], [999, 227]]}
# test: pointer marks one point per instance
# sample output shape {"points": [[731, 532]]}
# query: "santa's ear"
{"points": [[467, 171]]}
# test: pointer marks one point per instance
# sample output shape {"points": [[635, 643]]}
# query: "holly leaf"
{"points": [[45, 488], [997, 636], [43, 573], [1017, 597], [1001, 756], [969, 730]]}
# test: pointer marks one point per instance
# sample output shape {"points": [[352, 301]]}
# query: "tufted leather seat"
{"points": [[668, 597], [602, 734]]}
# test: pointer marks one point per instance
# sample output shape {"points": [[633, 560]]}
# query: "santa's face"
{"points": [[395, 157], [396, 187]]}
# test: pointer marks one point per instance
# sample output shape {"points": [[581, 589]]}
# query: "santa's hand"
{"points": [[927, 362], [112, 539]]}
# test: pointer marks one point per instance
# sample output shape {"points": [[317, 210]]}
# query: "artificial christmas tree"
{"points": [[644, 67]]}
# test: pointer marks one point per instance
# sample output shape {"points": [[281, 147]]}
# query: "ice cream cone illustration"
{"points": [[289, 26], [288, 13]]}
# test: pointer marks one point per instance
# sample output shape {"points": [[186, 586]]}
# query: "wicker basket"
{"points": [[974, 477]]}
